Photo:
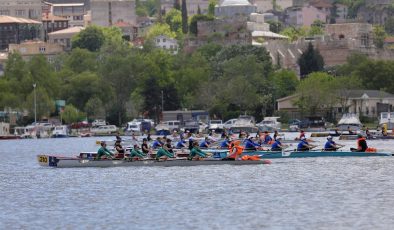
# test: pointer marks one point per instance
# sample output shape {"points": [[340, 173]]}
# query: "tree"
{"points": [[310, 61], [285, 83], [198, 9], [389, 25], [72, 114], [316, 28], [91, 38], [294, 33], [81, 60], [185, 23], [174, 19], [379, 36], [211, 7], [160, 29], [45, 104], [316, 94], [275, 26]]}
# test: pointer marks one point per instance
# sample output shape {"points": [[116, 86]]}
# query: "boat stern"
{"points": [[47, 161]]}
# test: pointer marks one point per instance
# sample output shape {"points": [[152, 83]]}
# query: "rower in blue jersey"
{"points": [[157, 143], [267, 139], [304, 145], [205, 144], [226, 143], [181, 144], [331, 145], [250, 144], [277, 145]]}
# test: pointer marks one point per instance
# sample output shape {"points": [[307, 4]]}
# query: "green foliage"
{"points": [[294, 33], [275, 26], [310, 61], [146, 7], [196, 18], [285, 82], [174, 19], [211, 7], [45, 104], [160, 29], [91, 38], [317, 28], [379, 36], [72, 114]]}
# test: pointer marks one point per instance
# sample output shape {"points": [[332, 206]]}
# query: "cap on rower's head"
{"points": [[329, 137], [117, 141], [359, 135], [144, 139], [103, 143]]}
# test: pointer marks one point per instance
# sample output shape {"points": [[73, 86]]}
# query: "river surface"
{"points": [[310, 193]]}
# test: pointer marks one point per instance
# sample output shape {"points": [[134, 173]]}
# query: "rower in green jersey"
{"points": [[164, 152], [196, 152], [134, 152], [103, 151]]}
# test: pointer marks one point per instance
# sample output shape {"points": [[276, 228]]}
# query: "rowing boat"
{"points": [[70, 162], [296, 154]]}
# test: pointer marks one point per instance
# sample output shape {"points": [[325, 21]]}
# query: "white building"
{"points": [[232, 8], [63, 37], [166, 43], [73, 12], [109, 12]]}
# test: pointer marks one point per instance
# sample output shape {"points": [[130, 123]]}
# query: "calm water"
{"points": [[313, 193]]}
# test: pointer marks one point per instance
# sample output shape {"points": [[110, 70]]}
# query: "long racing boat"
{"points": [[319, 153], [70, 162]]}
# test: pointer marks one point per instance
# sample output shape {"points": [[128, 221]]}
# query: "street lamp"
{"points": [[162, 103], [35, 103]]}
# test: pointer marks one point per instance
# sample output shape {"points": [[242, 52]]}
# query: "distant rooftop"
{"points": [[8, 19], [235, 2], [71, 30]]}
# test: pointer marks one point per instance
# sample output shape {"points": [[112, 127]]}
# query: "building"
{"points": [[234, 8], [109, 12], [16, 30], [166, 43], [30, 9], [63, 37], [376, 11], [267, 5], [358, 35], [304, 16], [129, 31], [191, 6], [73, 12], [184, 115], [51, 23], [367, 103], [85, 2], [29, 49]]}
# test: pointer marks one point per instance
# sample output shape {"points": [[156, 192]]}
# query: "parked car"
{"points": [[99, 122], [228, 124], [191, 126], [215, 125], [104, 129]]}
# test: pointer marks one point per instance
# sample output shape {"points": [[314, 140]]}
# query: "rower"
{"points": [[304, 145], [205, 144], [168, 146], [196, 152], [331, 145], [267, 139], [277, 145], [157, 143], [235, 151], [104, 151], [119, 149], [135, 152], [144, 146], [250, 144], [162, 152], [181, 144], [226, 143], [361, 144]]}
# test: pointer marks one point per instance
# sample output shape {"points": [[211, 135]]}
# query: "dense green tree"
{"points": [[310, 61], [285, 83], [316, 93], [275, 26], [91, 38], [177, 4], [294, 33], [45, 104], [317, 28], [377, 75], [379, 36], [174, 19], [72, 114], [160, 29], [185, 22], [81, 60], [209, 50]]}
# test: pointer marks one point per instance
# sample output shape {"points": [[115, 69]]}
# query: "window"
{"points": [[33, 14], [55, 40], [4, 12], [19, 12], [164, 40], [42, 49], [158, 40]]}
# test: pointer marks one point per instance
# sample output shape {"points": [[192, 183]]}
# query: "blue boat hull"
{"points": [[270, 155]]}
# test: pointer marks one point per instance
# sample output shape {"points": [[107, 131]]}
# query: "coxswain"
{"points": [[361, 144], [119, 149], [235, 152], [277, 145], [104, 151], [250, 144], [304, 145], [196, 152], [331, 145]]}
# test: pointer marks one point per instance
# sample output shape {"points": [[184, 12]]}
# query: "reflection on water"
{"points": [[312, 193]]}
